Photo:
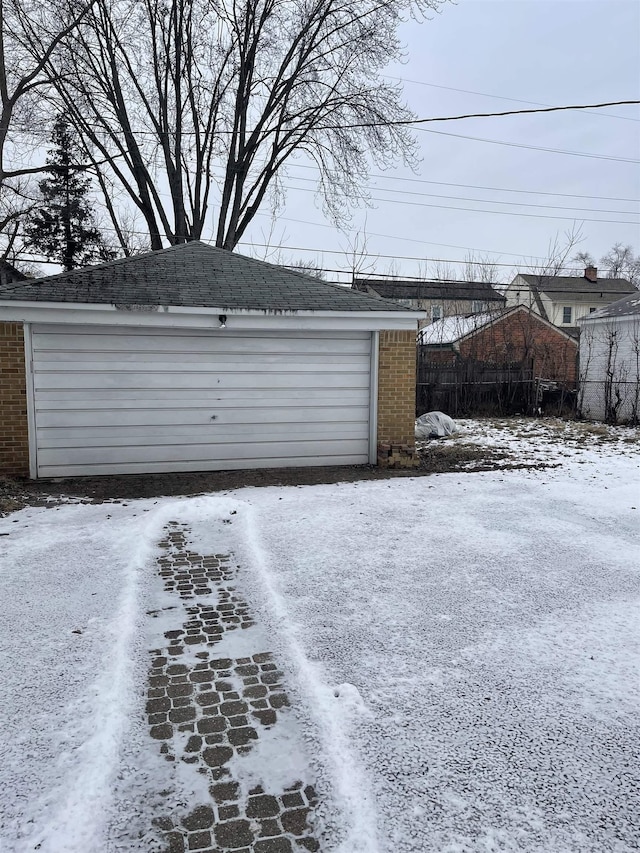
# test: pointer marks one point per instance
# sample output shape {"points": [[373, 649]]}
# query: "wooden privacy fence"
{"points": [[469, 388]]}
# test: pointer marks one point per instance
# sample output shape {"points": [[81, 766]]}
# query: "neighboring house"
{"points": [[512, 336], [436, 299], [610, 362], [563, 300], [195, 358], [9, 273]]}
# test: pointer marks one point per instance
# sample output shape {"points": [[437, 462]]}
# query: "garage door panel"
{"points": [[196, 452], [198, 342], [96, 382], [106, 422], [142, 400], [285, 461], [120, 400], [217, 434], [163, 363]]}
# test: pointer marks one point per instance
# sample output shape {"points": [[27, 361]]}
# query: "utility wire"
{"points": [[494, 96], [26, 256], [419, 121], [385, 277], [413, 121], [533, 147], [480, 187], [494, 115], [478, 200], [483, 210]]}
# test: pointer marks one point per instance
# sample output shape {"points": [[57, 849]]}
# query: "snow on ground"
{"points": [[463, 650]]}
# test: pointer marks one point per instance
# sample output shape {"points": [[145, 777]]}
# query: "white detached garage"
{"points": [[194, 359]]}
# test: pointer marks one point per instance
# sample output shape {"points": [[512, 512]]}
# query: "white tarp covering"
{"points": [[435, 425]]}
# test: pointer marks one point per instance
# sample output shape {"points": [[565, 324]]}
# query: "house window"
{"points": [[436, 312], [566, 314], [477, 306], [591, 310]]}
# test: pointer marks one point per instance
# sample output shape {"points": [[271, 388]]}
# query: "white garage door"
{"points": [[123, 401]]}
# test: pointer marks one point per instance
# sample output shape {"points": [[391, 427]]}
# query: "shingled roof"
{"points": [[195, 275], [578, 284], [475, 290], [628, 306]]}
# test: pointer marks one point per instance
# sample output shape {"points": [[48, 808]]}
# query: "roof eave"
{"points": [[179, 316]]}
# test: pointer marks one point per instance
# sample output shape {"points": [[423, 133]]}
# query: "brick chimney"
{"points": [[591, 273]]}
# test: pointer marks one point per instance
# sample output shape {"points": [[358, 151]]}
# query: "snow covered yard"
{"points": [[462, 654]]}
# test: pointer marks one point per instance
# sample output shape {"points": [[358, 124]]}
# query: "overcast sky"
{"points": [[502, 52]]}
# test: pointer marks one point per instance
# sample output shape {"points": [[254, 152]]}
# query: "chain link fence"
{"points": [[609, 400]]}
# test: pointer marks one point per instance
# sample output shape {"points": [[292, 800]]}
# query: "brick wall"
{"points": [[14, 439], [523, 337], [396, 398]]}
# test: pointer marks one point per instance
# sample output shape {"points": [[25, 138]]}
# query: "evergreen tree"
{"points": [[63, 225]]}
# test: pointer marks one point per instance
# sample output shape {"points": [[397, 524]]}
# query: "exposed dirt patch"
{"points": [[442, 457], [16, 494], [436, 457], [445, 456]]}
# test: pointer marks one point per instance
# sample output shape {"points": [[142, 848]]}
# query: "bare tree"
{"points": [[307, 267], [581, 260], [480, 268], [620, 262], [179, 94], [30, 36], [359, 261], [558, 252]]}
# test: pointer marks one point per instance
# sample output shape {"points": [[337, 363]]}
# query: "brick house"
{"points": [[195, 358], [435, 299], [512, 336]]}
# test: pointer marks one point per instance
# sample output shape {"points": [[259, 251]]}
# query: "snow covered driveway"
{"points": [[463, 652]]}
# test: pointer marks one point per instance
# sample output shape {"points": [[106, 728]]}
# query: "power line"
{"points": [[387, 277], [480, 200], [31, 256], [532, 147], [479, 187], [394, 237], [497, 97], [398, 257], [414, 121], [420, 121], [299, 221], [483, 211]]}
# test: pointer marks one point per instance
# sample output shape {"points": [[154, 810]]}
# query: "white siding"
{"points": [[610, 369], [118, 401]]}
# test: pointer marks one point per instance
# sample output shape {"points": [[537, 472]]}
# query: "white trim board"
{"points": [[179, 317]]}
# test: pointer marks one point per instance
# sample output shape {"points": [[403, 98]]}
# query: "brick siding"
{"points": [[521, 336], [396, 398], [14, 438]]}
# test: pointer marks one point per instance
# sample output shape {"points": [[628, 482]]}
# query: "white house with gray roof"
{"points": [[194, 358], [436, 299], [563, 300], [610, 362]]}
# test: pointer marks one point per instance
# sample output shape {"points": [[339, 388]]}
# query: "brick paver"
{"points": [[203, 713]]}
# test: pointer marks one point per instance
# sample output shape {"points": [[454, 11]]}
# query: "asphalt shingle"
{"points": [[578, 284], [430, 289], [196, 275], [628, 306]]}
